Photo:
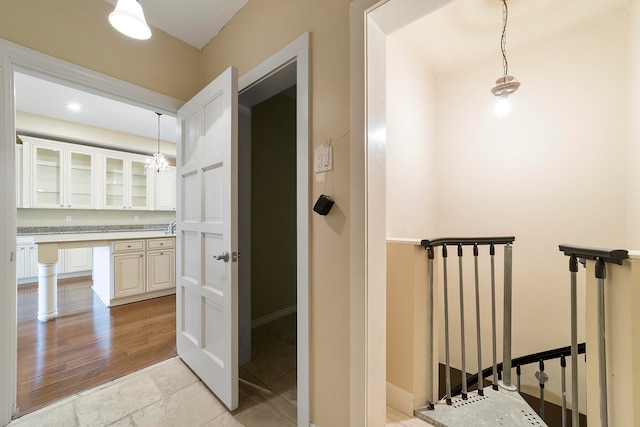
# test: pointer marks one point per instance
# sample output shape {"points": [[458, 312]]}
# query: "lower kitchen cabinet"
{"points": [[134, 270], [128, 274], [71, 262], [161, 269], [26, 261]]}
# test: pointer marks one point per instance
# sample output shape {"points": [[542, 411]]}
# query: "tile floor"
{"points": [[169, 394]]}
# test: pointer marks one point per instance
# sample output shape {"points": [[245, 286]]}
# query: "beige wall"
{"points": [[273, 206], [256, 32], [77, 31]]}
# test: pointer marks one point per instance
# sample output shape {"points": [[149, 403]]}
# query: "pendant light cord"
{"points": [[159, 114], [503, 39]]}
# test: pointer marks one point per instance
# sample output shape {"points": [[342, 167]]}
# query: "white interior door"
{"points": [[207, 234]]}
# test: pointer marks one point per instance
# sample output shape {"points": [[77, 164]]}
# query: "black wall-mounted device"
{"points": [[323, 205]]}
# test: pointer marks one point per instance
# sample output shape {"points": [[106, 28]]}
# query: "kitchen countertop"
{"points": [[90, 233]]}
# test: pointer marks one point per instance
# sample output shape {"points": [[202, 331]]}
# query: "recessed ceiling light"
{"points": [[74, 107]]}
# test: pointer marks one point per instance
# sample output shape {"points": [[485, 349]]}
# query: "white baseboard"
{"points": [[399, 399], [273, 316]]}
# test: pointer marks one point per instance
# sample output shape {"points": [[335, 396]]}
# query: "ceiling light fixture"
{"points": [[505, 85], [74, 106], [157, 162], [128, 18]]}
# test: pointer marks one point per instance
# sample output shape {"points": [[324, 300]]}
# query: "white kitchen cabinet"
{"points": [[126, 183], [19, 175], [21, 261], [26, 261], [134, 270], [161, 269], [75, 260], [62, 175], [165, 185], [32, 261], [128, 274], [161, 264]]}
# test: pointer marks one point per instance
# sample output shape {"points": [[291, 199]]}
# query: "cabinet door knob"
{"points": [[140, 255]]}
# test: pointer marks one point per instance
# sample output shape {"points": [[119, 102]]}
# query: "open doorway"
{"points": [[79, 349], [267, 217]]}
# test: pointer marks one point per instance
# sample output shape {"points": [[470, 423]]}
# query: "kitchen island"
{"points": [[122, 260]]}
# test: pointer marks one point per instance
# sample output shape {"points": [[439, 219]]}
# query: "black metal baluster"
{"points": [[518, 374], [462, 339]]}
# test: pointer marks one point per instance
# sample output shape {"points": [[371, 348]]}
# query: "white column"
{"points": [[47, 291], [47, 281]]}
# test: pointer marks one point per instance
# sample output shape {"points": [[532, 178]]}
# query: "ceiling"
{"points": [[44, 98], [193, 21], [466, 31]]}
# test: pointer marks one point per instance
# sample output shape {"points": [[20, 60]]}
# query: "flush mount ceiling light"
{"points": [[505, 85], [128, 18], [157, 162]]}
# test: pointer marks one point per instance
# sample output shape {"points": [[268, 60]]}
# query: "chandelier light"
{"points": [[505, 85], [157, 162], [128, 18]]}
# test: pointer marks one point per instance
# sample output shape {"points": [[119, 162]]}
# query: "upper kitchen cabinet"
{"points": [[62, 175], [19, 175], [127, 184]]}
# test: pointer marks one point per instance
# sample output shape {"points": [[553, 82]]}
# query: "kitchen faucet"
{"points": [[171, 229]]}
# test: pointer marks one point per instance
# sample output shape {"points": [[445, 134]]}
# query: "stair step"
{"points": [[495, 408]]}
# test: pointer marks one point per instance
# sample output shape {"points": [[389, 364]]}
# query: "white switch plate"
{"points": [[68, 218], [323, 161]]}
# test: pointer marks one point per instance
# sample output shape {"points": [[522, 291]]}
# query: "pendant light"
{"points": [[157, 162], [505, 85], [128, 18]]}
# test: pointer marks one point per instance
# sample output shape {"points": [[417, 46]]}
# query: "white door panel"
{"points": [[207, 300]]}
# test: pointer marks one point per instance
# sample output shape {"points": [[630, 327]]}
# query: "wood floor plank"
{"points": [[89, 344]]}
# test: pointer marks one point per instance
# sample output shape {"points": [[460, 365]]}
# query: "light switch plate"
{"points": [[323, 159]]}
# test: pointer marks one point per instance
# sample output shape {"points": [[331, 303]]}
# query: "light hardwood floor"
{"points": [[88, 344]]}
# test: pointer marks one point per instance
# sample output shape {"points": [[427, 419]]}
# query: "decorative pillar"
{"points": [[47, 281]]}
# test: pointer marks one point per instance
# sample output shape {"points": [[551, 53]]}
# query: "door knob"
{"points": [[224, 257]]}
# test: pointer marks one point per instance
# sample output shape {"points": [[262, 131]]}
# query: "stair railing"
{"points": [[600, 256], [459, 242]]}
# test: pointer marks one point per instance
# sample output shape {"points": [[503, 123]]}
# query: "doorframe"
{"points": [[297, 51], [371, 23]]}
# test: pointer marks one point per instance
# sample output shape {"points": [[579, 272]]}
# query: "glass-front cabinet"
{"points": [[62, 177], [47, 177], [126, 184]]}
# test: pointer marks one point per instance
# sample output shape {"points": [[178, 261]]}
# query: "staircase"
{"points": [[501, 404]]}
